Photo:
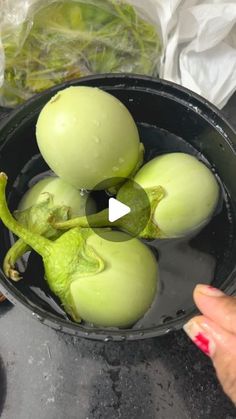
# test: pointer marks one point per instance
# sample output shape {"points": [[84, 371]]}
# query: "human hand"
{"points": [[215, 333]]}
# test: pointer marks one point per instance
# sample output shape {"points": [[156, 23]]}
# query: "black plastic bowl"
{"points": [[154, 104]]}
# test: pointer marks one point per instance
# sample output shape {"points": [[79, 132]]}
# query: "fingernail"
{"points": [[200, 338], [209, 290]]}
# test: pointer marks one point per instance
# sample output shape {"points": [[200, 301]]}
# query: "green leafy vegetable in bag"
{"points": [[69, 39]]}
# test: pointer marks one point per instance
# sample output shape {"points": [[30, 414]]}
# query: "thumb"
{"points": [[220, 346], [217, 306]]}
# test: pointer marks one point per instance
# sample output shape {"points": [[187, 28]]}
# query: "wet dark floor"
{"points": [[48, 375]]}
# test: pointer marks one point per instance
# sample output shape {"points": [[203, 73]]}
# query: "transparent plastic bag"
{"points": [[47, 42]]}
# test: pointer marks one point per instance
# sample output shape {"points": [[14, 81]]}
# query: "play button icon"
{"points": [[117, 210], [125, 208]]}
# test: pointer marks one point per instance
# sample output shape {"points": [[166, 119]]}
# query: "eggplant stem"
{"points": [[100, 219], [40, 244], [18, 249]]}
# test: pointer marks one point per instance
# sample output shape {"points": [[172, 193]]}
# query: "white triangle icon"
{"points": [[117, 210]]}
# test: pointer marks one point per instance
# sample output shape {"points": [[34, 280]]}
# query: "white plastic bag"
{"points": [[201, 51], [199, 39]]}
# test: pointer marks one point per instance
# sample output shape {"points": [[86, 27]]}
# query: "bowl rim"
{"points": [[161, 87]]}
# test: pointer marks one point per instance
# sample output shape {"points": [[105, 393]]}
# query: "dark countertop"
{"points": [[48, 375]]}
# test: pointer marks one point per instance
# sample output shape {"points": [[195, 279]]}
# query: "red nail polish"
{"points": [[212, 288], [202, 343]]}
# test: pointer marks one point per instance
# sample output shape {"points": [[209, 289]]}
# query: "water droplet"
{"points": [[82, 192], [39, 318], [121, 160], [55, 98], [180, 312], [97, 140], [166, 319], [108, 339], [115, 169], [97, 123]]}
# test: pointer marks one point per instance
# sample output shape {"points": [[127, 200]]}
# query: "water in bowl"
{"points": [[204, 257]]}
